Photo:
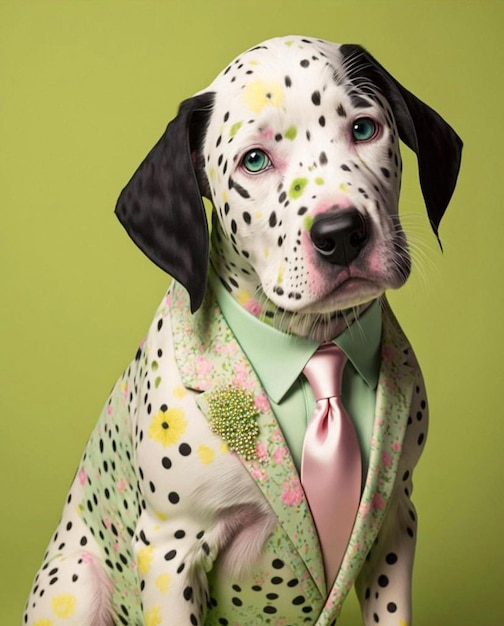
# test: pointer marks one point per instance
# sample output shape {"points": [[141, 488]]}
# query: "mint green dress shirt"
{"points": [[279, 358]]}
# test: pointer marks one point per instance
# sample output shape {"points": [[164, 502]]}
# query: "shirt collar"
{"points": [[279, 358]]}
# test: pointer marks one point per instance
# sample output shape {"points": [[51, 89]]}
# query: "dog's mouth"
{"points": [[330, 315], [376, 269], [348, 292]]}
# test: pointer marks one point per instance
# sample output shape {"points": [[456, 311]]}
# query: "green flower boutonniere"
{"points": [[233, 416]]}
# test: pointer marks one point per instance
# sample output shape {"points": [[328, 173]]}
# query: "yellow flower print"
{"points": [[243, 297], [153, 616], [144, 559], [258, 94], [44, 622], [163, 582], [179, 392], [64, 605], [167, 426], [206, 454]]}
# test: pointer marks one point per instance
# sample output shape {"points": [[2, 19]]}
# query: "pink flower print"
{"points": [[179, 302], [121, 485], [378, 502], [241, 378], [253, 307], [364, 509], [224, 348], [261, 403], [386, 459], [258, 474], [396, 446], [277, 435], [280, 454], [292, 494], [82, 476], [261, 451], [203, 366]]}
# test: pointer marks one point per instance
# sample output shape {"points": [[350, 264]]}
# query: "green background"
{"points": [[86, 88]]}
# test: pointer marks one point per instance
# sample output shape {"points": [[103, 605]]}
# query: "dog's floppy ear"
{"points": [[436, 144], [161, 207]]}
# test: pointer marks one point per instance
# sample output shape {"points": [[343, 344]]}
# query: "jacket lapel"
{"points": [[210, 360], [394, 393]]}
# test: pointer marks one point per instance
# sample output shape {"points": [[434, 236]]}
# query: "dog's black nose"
{"points": [[339, 236]]}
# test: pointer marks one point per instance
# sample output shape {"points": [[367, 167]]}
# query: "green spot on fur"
{"points": [[154, 365], [308, 222], [297, 187], [291, 133], [235, 128], [157, 382], [319, 181]]}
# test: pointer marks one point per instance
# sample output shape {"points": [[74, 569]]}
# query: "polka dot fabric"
{"points": [[165, 525]]}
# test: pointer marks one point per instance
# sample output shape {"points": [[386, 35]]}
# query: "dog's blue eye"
{"points": [[364, 129], [255, 161]]}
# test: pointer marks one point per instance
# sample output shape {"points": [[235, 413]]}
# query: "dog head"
{"points": [[296, 144]]}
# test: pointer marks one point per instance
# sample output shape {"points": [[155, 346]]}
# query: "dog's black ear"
{"points": [[161, 207], [436, 144]]}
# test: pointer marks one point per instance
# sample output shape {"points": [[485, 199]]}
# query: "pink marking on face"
{"points": [[374, 262], [332, 203], [267, 134]]}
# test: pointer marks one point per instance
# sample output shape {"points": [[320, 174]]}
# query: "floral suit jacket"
{"points": [[170, 510]]}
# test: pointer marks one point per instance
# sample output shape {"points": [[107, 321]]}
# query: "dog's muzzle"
{"points": [[339, 236]]}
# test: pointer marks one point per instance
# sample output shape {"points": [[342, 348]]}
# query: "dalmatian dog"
{"points": [[187, 508]]}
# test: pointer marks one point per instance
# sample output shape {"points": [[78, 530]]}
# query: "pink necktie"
{"points": [[331, 468]]}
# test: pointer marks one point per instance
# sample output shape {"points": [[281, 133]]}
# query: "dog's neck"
{"points": [[243, 283]]}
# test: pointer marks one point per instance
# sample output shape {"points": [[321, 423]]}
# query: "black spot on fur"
{"points": [[234, 185], [341, 110]]}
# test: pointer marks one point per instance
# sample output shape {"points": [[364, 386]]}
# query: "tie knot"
{"points": [[324, 371]]}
